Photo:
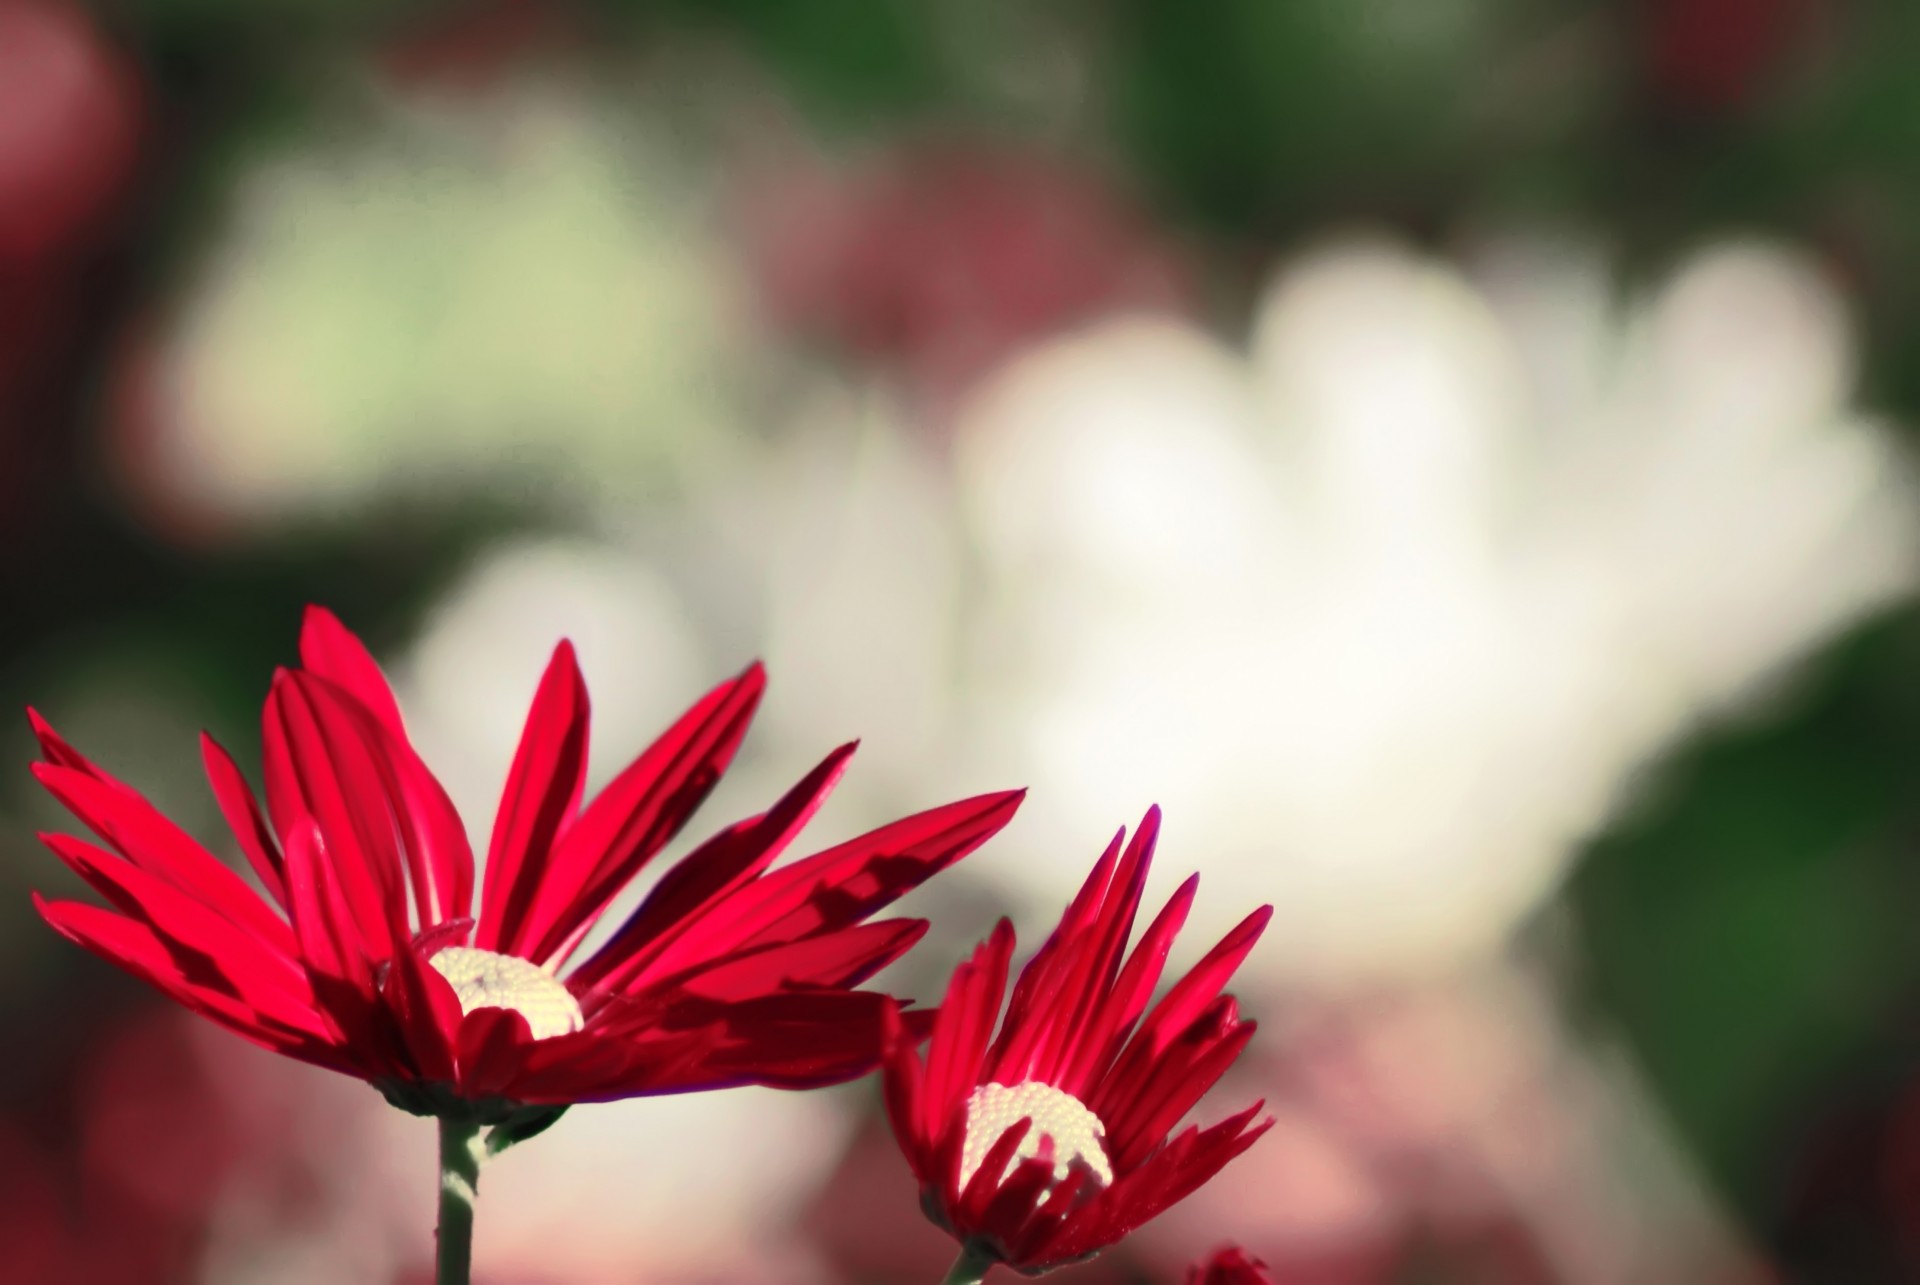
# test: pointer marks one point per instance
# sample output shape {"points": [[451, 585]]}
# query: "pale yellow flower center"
{"points": [[487, 979], [1076, 1132]]}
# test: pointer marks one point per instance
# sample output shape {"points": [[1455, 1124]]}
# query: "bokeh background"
{"points": [[1455, 455]]}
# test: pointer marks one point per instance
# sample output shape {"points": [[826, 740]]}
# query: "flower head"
{"points": [[1049, 1142], [368, 956], [1230, 1266]]}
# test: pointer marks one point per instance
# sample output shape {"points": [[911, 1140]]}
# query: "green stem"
{"points": [[968, 1269], [460, 1153]]}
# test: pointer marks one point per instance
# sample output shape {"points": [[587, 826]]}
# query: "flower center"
{"points": [[486, 979], [1076, 1132]]}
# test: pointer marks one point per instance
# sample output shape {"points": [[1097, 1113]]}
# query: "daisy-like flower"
{"points": [[367, 955], [1049, 1143], [1230, 1266]]}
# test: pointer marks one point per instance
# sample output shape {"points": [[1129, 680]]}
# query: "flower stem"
{"points": [[968, 1269], [460, 1152]]}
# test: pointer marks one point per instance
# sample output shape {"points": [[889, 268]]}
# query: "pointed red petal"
{"points": [[330, 936], [138, 831], [242, 811], [222, 954], [1076, 1033], [540, 799], [705, 876], [137, 949], [903, 1083], [1187, 999], [635, 816], [839, 959], [320, 765], [329, 649], [844, 884], [1040, 996], [56, 750], [491, 1045], [427, 1013], [1139, 1119], [962, 1031], [1169, 1176]]}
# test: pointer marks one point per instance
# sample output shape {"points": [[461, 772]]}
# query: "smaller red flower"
{"points": [[1050, 1143], [1230, 1266]]}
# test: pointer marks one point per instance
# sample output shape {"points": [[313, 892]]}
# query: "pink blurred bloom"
{"points": [[1231, 1266], [943, 258]]}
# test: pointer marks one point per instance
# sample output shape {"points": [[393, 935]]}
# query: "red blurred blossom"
{"points": [[366, 956], [943, 258], [69, 124], [1050, 1143], [1231, 1266], [470, 46], [69, 121], [1716, 55]]}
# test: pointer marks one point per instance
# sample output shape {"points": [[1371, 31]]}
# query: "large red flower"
{"points": [[1050, 1142], [366, 956]]}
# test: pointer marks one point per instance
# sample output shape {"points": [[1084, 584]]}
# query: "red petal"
{"points": [[541, 797], [320, 765], [137, 949], [635, 816], [427, 1013], [1040, 996], [962, 1031], [1188, 998], [842, 885], [706, 875], [242, 811], [56, 750], [491, 1044], [329, 757], [330, 935], [801, 1041], [839, 959], [329, 649], [1139, 1117], [1075, 1034], [135, 829], [1142, 972], [267, 980], [903, 1083], [1167, 1177]]}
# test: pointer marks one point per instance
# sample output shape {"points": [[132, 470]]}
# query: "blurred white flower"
{"points": [[1388, 613], [522, 291]]}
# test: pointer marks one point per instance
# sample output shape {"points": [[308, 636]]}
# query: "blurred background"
{"points": [[1455, 455]]}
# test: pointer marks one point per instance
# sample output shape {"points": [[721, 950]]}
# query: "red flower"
{"points": [[367, 958], [1230, 1266], [1051, 1144]]}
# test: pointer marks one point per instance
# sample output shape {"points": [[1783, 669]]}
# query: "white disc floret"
{"points": [[1076, 1132], [488, 979]]}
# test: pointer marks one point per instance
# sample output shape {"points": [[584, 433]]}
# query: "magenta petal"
{"points": [[840, 959], [242, 812], [331, 650], [137, 949], [490, 1047], [428, 1014], [137, 830], [717, 868], [844, 884], [630, 820], [320, 766], [541, 796]]}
